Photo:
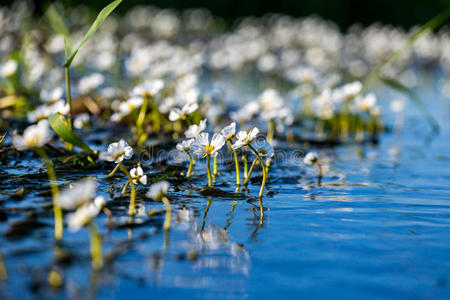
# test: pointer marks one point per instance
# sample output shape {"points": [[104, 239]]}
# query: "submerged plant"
{"points": [[203, 147], [35, 137], [157, 192]]}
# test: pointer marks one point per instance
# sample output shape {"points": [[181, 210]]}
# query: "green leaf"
{"points": [[104, 13], [396, 85], [59, 125], [56, 21], [421, 31]]}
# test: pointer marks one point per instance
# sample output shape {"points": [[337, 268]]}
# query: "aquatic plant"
{"points": [[35, 137], [203, 147]]}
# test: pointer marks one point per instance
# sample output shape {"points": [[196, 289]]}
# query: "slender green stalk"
{"points": [[3, 271], [141, 117], [57, 211], [68, 96], [155, 116], [166, 202], [125, 187], [244, 160], [209, 170], [236, 164], [215, 165], [270, 131], [111, 174], [133, 189], [264, 172], [250, 172], [191, 165], [96, 246]]}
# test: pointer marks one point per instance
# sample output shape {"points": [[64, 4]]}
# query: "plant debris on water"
{"points": [[161, 148]]}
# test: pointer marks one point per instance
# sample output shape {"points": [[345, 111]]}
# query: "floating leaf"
{"points": [[104, 13], [59, 125], [396, 85]]}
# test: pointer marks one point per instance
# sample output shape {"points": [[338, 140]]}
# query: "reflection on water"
{"points": [[379, 221]]}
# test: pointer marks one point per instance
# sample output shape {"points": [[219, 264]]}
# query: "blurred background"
{"points": [[404, 13]]}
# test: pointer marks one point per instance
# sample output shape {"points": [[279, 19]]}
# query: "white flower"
{"points": [[347, 92], [366, 103], [90, 82], [270, 100], [194, 130], [126, 107], [51, 96], [8, 68], [148, 88], [177, 114], [244, 138], [78, 194], [229, 131], [85, 213], [158, 190], [34, 136], [81, 120], [138, 175], [398, 105], [117, 152], [185, 146], [310, 158], [263, 148], [202, 147]]}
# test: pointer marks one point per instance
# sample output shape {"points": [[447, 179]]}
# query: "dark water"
{"points": [[378, 226]]}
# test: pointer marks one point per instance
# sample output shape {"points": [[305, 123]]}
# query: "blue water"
{"points": [[378, 227]]}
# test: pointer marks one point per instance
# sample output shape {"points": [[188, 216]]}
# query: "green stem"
{"points": [[111, 174], [141, 117], [133, 189], [125, 187], [57, 211], [215, 166], [191, 165], [270, 131], [166, 202], [209, 170], [155, 116], [69, 97], [96, 246], [236, 164], [244, 160], [263, 184], [250, 172]]}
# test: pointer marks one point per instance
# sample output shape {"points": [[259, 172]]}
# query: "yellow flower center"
{"points": [[209, 149]]}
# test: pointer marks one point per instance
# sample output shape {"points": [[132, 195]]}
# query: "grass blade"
{"points": [[396, 85], [427, 27], [59, 125], [104, 13], [56, 21]]}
